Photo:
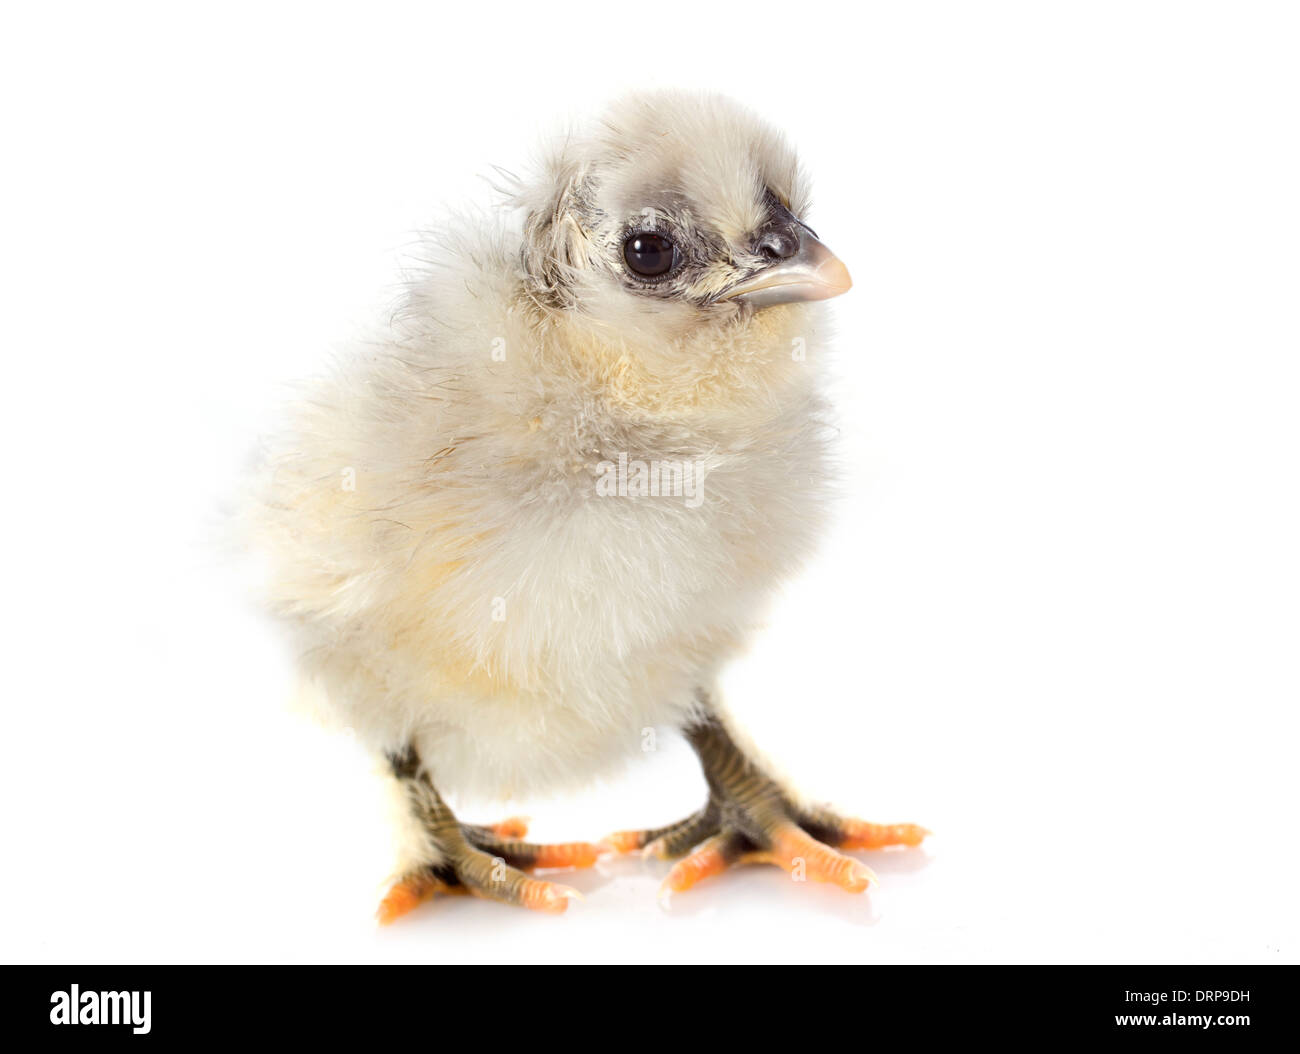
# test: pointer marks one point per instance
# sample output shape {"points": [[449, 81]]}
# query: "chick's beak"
{"points": [[810, 272]]}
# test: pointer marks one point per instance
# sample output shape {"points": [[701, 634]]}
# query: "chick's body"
{"points": [[532, 517]]}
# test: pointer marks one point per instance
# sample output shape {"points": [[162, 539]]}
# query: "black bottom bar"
{"points": [[583, 1006]]}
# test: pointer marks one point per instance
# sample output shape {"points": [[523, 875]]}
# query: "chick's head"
{"points": [[676, 214]]}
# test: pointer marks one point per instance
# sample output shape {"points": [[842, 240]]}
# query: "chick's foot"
{"points": [[486, 861], [750, 819]]}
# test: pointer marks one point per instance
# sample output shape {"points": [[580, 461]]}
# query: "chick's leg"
{"points": [[467, 858], [750, 819]]}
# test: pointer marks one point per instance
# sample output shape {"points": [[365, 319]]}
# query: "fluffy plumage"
{"points": [[453, 573]]}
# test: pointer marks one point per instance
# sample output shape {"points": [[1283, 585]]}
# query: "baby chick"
{"points": [[535, 517]]}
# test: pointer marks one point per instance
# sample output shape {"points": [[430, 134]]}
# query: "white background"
{"points": [[1056, 621]]}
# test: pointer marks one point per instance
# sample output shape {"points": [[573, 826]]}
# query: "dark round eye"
{"points": [[649, 254]]}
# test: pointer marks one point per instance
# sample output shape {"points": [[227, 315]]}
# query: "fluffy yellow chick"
{"points": [[535, 517]]}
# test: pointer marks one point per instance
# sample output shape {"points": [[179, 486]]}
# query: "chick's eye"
{"points": [[648, 254]]}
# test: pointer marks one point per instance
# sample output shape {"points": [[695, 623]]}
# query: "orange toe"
{"points": [[624, 841], [858, 834], [798, 852], [405, 896], [515, 827], [702, 863], [568, 854], [547, 896]]}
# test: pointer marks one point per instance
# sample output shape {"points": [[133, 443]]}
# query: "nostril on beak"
{"points": [[778, 245]]}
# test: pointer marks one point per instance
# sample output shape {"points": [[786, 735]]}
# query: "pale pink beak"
{"points": [[812, 273]]}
